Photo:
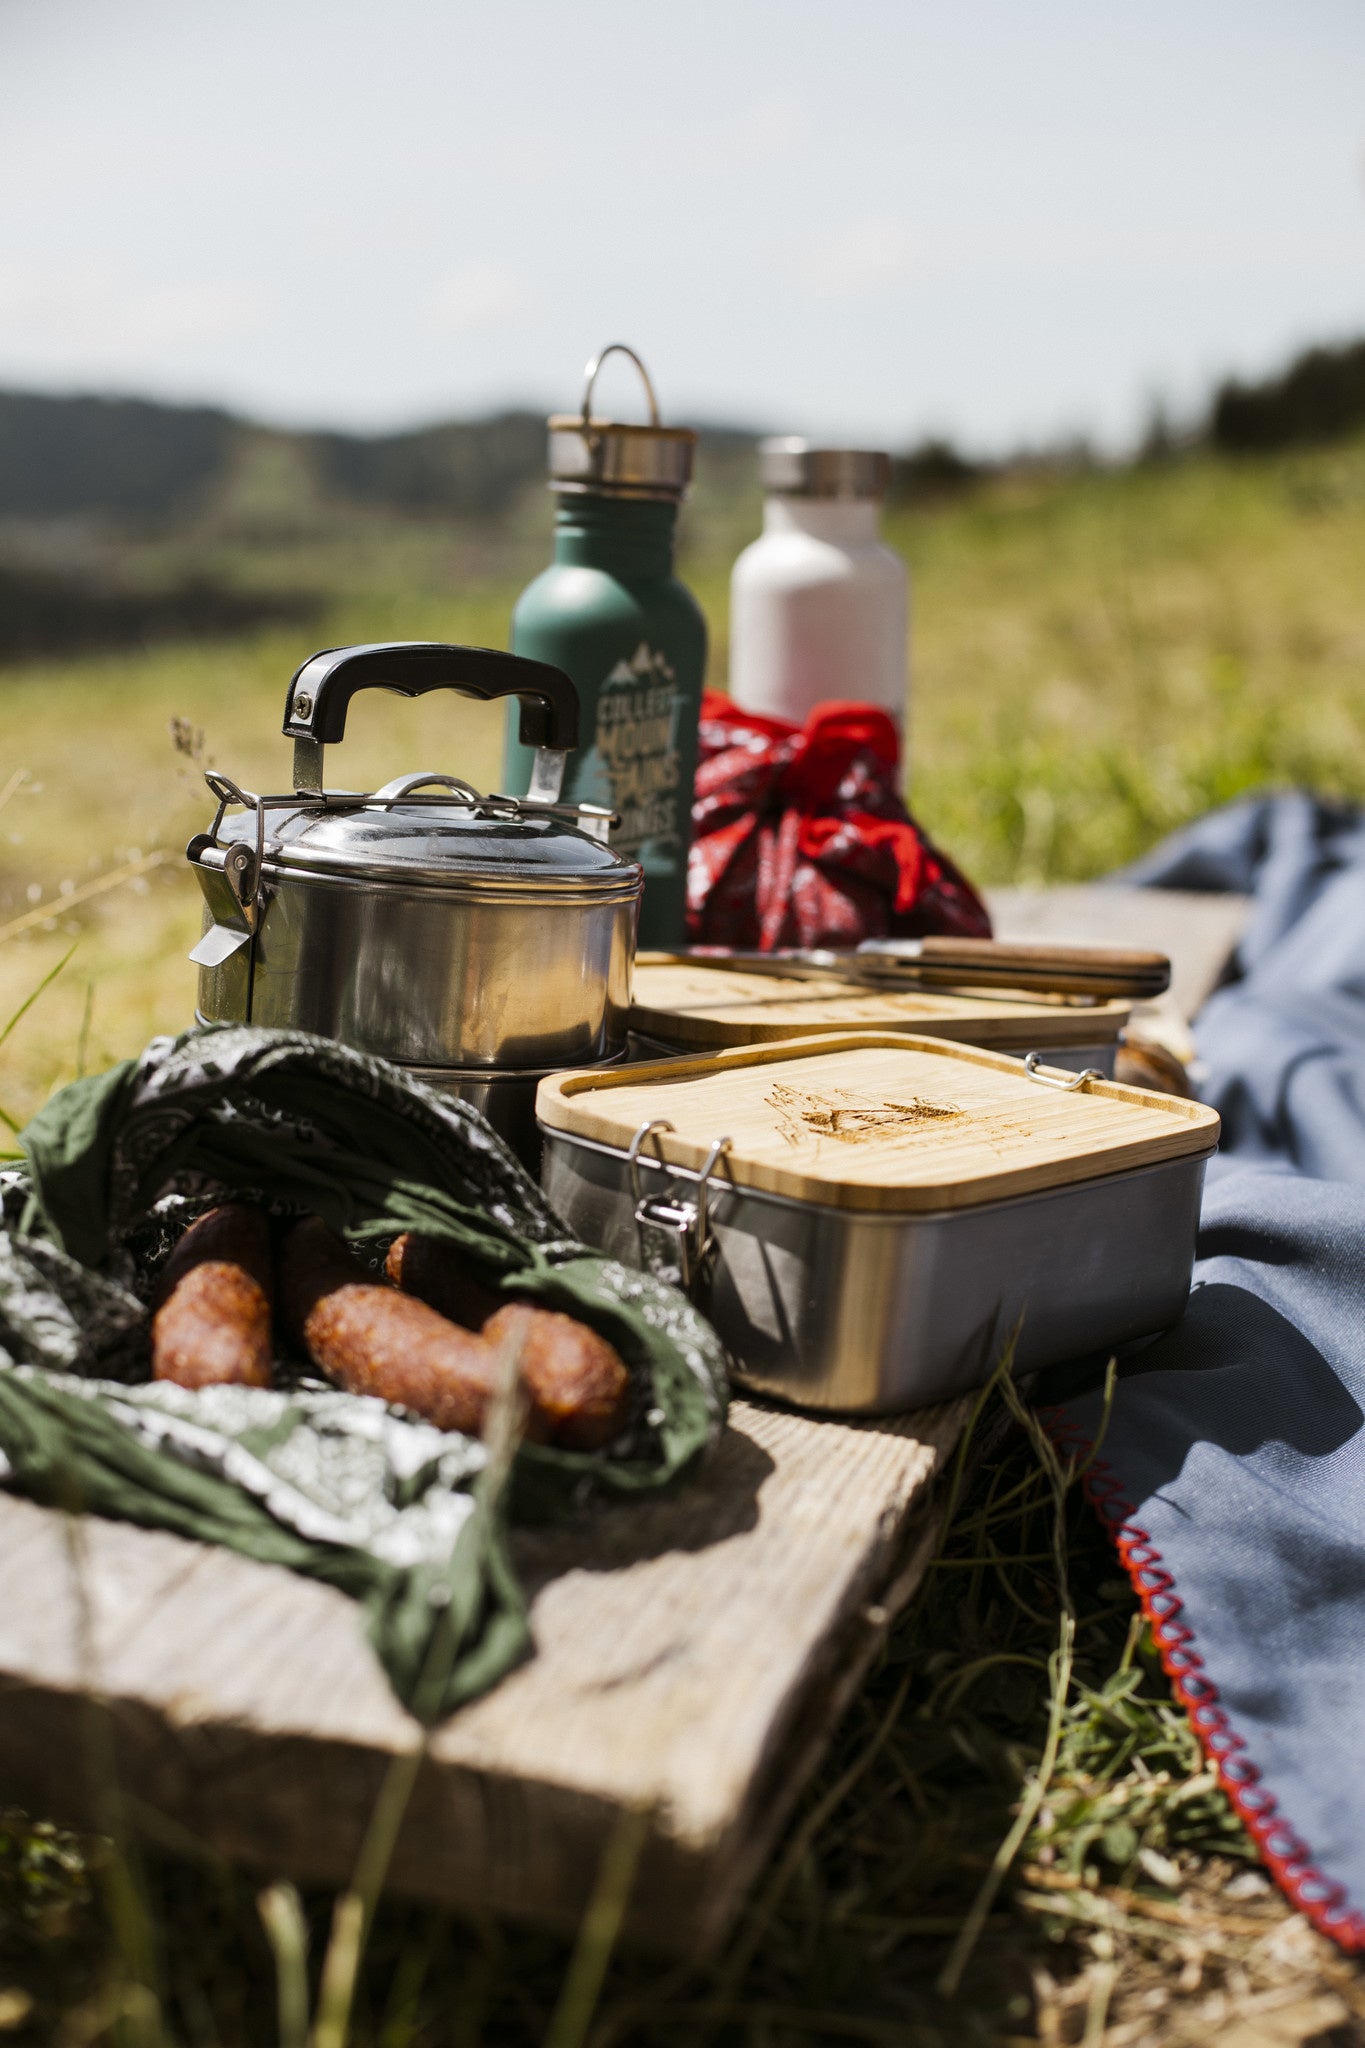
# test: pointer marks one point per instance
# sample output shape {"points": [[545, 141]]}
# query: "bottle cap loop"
{"points": [[618, 458]]}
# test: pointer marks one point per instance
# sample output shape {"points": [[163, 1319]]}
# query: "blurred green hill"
{"points": [[124, 522], [142, 464]]}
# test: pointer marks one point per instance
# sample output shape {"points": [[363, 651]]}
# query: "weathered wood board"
{"points": [[692, 1656]]}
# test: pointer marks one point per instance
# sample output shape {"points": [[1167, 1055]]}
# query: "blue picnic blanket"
{"points": [[1232, 1468]]}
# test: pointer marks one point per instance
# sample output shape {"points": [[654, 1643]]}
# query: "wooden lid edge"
{"points": [[694, 1032], [562, 1106]]}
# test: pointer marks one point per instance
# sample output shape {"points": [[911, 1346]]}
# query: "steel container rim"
{"points": [[490, 887], [422, 1070], [483, 1075]]}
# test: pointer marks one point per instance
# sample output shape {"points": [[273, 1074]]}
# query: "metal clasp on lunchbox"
{"points": [[231, 876], [230, 879], [1033, 1068], [674, 1230]]}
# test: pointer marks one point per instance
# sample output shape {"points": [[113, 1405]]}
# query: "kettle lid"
{"points": [[453, 839]]}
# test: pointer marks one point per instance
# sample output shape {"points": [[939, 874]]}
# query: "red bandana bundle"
{"points": [[800, 837]]}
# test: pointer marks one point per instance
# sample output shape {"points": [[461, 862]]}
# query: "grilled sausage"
{"points": [[437, 1275], [212, 1322], [371, 1339], [577, 1385]]}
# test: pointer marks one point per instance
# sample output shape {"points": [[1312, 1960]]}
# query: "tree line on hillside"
{"points": [[1320, 397], [135, 461], [140, 463]]}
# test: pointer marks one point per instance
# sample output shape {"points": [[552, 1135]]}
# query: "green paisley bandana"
{"points": [[401, 1516]]}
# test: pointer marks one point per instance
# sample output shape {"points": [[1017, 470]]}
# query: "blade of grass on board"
{"points": [[597, 1936], [353, 1915], [281, 1912], [136, 2000]]}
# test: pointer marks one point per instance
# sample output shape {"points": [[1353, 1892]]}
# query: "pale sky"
{"points": [[999, 219]]}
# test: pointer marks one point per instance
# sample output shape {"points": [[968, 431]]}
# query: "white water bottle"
{"points": [[819, 605]]}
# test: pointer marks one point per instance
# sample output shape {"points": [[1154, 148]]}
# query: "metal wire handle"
{"points": [[719, 1151], [685, 1223], [404, 785], [1033, 1068], [616, 348], [642, 1136]]}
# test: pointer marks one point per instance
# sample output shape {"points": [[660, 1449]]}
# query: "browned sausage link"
{"points": [[212, 1323], [438, 1275], [372, 1340], [577, 1385]]}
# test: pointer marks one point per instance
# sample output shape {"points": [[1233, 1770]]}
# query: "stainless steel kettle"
{"points": [[481, 940]]}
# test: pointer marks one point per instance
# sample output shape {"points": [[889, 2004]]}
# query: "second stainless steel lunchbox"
{"points": [[689, 1006], [869, 1220]]}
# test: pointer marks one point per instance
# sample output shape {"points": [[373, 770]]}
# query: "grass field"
{"points": [[1098, 657]]}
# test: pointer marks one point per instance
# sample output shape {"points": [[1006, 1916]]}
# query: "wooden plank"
{"points": [[692, 1655], [703, 1008], [874, 1122]]}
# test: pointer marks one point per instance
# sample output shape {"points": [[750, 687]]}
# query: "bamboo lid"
{"points": [[878, 1122], [700, 1008]]}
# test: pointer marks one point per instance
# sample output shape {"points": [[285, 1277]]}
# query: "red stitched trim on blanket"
{"points": [[1288, 1859]]}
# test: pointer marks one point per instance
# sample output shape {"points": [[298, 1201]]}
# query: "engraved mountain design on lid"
{"points": [[851, 1118]]}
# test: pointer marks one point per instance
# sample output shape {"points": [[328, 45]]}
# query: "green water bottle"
{"points": [[610, 611]]}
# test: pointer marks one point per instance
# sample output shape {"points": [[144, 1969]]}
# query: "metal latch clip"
{"points": [[676, 1241], [1068, 1083]]}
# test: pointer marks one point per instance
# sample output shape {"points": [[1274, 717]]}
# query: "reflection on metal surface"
{"points": [[438, 930], [218, 944]]}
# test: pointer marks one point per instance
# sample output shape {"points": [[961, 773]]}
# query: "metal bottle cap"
{"points": [[792, 468], [616, 457]]}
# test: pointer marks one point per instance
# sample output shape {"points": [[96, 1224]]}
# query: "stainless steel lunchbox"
{"points": [[479, 940], [870, 1220]]}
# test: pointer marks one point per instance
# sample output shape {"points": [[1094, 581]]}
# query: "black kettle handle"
{"points": [[322, 689]]}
